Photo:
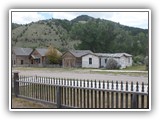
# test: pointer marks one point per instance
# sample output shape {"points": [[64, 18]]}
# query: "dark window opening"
{"points": [[38, 60], [21, 62], [90, 60], [105, 60]]}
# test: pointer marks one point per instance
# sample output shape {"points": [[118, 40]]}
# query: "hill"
{"points": [[83, 32], [82, 18], [41, 34]]}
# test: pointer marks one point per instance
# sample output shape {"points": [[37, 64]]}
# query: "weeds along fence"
{"points": [[71, 93]]}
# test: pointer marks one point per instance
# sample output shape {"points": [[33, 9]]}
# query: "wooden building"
{"points": [[38, 57], [20, 56], [90, 60], [73, 58], [99, 60]]}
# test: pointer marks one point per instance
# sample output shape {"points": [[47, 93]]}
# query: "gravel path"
{"points": [[85, 75]]}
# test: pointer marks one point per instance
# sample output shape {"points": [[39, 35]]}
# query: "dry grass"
{"points": [[23, 103]]}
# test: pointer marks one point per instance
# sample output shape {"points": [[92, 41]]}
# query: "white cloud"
{"points": [[26, 17], [72, 15], [64, 15], [135, 19]]}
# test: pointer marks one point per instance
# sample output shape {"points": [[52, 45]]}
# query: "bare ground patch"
{"points": [[74, 73]]}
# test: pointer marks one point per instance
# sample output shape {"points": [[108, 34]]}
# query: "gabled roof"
{"points": [[113, 54], [79, 53], [41, 51], [90, 54], [22, 51]]}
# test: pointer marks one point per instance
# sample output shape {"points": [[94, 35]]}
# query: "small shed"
{"points": [[73, 58]]}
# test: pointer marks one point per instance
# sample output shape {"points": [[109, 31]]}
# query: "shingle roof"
{"points": [[22, 51], [42, 51], [112, 54], [80, 53]]}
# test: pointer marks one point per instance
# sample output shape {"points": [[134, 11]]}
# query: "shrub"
{"points": [[112, 64], [146, 61], [138, 60], [53, 56]]}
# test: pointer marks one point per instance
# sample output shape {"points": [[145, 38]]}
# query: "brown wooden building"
{"points": [[20, 56], [73, 58], [38, 57]]}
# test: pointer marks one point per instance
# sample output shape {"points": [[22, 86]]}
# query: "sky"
{"points": [[134, 19]]}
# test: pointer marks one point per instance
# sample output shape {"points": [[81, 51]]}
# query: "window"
{"points": [[129, 60], [105, 60], [21, 62], [90, 60]]}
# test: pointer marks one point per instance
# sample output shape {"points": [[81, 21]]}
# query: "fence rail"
{"points": [[71, 93]]}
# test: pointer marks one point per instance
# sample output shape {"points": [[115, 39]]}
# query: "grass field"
{"points": [[137, 68], [133, 68]]}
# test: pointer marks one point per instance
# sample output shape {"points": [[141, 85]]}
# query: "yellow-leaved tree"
{"points": [[53, 55]]}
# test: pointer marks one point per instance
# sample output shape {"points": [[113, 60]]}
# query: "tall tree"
{"points": [[94, 35]]}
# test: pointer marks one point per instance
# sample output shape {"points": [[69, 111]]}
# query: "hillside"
{"points": [[83, 32], [42, 34]]}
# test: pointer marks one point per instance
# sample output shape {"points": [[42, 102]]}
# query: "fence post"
{"points": [[58, 96], [16, 84], [134, 101]]}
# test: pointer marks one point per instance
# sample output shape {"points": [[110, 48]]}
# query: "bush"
{"points": [[53, 56], [112, 64], [138, 60], [146, 61]]}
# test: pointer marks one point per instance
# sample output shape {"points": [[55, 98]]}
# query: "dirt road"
{"points": [[84, 74]]}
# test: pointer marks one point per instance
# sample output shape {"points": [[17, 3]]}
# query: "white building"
{"points": [[90, 60], [99, 60]]}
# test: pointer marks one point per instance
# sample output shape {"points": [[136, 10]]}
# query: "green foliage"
{"points": [[105, 36], [93, 35], [14, 25], [138, 60], [146, 61]]}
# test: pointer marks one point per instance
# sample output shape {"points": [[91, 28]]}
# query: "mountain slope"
{"points": [[83, 32], [41, 34]]}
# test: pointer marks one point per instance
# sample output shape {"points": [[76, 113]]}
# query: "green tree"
{"points": [[95, 35]]}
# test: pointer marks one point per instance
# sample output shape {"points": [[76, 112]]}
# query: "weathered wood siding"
{"points": [[95, 61], [20, 60], [42, 58], [68, 60]]}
